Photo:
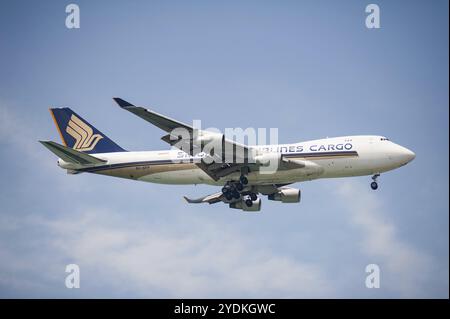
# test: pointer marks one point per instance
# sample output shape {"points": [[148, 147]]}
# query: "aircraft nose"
{"points": [[410, 155], [406, 155]]}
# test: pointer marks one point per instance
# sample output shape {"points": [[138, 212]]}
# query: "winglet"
{"points": [[210, 199], [163, 122], [191, 201], [122, 103]]}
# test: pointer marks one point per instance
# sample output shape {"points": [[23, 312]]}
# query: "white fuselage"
{"points": [[325, 158]]}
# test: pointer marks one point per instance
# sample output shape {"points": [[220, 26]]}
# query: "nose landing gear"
{"points": [[374, 184]]}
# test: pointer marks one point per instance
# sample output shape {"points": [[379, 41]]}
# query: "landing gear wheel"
{"points": [[228, 196], [236, 194], [243, 179], [253, 196], [239, 186], [249, 202], [226, 189], [374, 184]]}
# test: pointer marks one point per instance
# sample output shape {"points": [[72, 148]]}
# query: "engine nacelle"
{"points": [[286, 195], [256, 206]]}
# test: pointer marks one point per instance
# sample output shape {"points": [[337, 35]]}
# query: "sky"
{"points": [[309, 68]]}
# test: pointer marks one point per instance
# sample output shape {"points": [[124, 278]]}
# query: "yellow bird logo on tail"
{"points": [[85, 139]]}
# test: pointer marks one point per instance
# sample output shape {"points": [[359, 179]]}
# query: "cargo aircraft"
{"points": [[242, 171]]}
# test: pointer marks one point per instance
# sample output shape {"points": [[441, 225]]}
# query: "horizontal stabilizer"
{"points": [[70, 155]]}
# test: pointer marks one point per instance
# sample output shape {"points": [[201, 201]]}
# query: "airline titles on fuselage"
{"points": [[286, 149]]}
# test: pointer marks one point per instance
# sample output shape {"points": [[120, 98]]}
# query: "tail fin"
{"points": [[78, 134]]}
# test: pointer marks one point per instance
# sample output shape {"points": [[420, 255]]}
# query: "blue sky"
{"points": [[310, 68]]}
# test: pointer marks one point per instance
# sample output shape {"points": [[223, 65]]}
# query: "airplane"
{"points": [[237, 168]]}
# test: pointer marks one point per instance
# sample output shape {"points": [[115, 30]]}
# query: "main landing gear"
{"points": [[243, 179], [374, 184], [232, 190]]}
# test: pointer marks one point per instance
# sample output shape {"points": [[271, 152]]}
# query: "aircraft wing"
{"points": [[219, 197], [211, 199], [163, 122], [234, 155]]}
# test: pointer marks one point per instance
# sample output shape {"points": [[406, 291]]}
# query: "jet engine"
{"points": [[255, 207], [286, 195]]}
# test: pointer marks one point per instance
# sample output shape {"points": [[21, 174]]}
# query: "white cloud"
{"points": [[16, 132], [208, 260], [180, 257], [21, 135], [404, 269]]}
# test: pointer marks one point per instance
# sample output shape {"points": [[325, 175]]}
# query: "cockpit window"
{"points": [[384, 139]]}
